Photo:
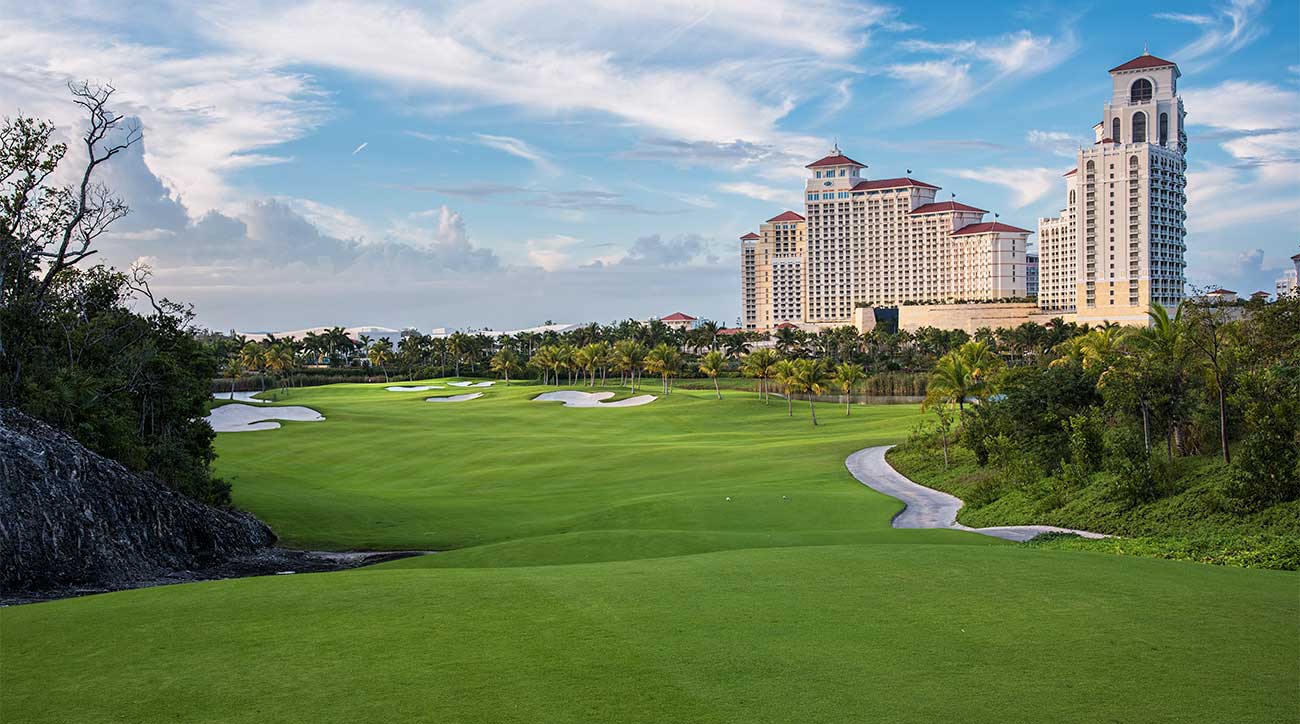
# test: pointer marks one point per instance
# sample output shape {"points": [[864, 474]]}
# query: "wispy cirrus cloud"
{"points": [[1027, 185], [780, 195], [966, 68], [1232, 26], [518, 148]]}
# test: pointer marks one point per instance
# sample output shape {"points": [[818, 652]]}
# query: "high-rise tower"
{"points": [[1118, 246]]}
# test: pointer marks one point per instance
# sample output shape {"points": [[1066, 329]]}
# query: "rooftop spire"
{"points": [[1146, 48]]}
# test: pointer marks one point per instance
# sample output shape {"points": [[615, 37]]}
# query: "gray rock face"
{"points": [[72, 518]]}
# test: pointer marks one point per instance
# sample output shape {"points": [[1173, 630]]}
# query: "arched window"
{"points": [[1132, 160], [1164, 129], [1114, 130], [1139, 127], [1140, 91], [1071, 198]]}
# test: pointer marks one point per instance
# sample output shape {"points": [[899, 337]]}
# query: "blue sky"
{"points": [[501, 164]]}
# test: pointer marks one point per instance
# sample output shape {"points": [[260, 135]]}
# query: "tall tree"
{"points": [[712, 364]]}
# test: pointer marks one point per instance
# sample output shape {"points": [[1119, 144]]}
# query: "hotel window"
{"points": [[1114, 130], [1164, 129], [1140, 91], [1139, 127]]}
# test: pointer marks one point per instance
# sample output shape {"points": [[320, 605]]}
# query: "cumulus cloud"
{"points": [[654, 250]]}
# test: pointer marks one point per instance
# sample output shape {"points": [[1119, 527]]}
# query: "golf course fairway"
{"points": [[687, 560]]}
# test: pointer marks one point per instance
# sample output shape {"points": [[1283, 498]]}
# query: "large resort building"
{"points": [[1116, 248], [873, 242]]}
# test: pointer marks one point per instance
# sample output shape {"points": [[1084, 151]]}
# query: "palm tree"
{"points": [[967, 371], [565, 356], [1100, 346], [712, 364], [252, 358], [1164, 344], [787, 340], [381, 353], [544, 360], [629, 355], [588, 358], [663, 360], [759, 364], [847, 376], [810, 378], [504, 362], [457, 347], [783, 372], [234, 370], [280, 358]]}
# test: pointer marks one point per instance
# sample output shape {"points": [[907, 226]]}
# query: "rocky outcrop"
{"points": [[70, 518]]}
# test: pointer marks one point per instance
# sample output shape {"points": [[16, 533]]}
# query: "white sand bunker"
{"points": [[246, 418], [416, 388], [471, 384], [573, 398], [238, 396], [455, 398]]}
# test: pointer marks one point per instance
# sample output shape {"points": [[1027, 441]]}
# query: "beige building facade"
{"points": [[876, 242], [1119, 244], [772, 273]]}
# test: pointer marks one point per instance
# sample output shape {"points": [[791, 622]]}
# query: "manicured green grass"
{"points": [[388, 470], [596, 572]]}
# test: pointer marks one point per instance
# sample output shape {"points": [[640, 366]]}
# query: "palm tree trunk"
{"points": [[789, 402], [715, 387], [848, 402], [812, 408]]}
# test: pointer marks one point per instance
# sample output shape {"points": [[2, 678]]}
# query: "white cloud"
{"points": [[1258, 125], [968, 68], [551, 252], [1233, 26], [1059, 143], [936, 86], [358, 149], [205, 116], [783, 196], [518, 148], [330, 219], [1243, 106], [1027, 185]]}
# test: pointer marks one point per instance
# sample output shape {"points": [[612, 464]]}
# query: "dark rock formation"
{"points": [[73, 519]]}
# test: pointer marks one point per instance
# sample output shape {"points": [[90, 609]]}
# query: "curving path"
{"points": [[930, 508]]}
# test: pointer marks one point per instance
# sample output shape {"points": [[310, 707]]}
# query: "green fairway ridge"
{"points": [[689, 560]]}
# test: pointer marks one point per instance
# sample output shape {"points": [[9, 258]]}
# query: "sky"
{"points": [[498, 165]]}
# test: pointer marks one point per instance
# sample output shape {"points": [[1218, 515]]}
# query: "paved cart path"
{"points": [[930, 508]]}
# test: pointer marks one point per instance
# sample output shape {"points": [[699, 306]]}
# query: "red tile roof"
{"points": [[1143, 61], [730, 331], [677, 317], [987, 227], [891, 183], [1104, 140], [785, 325], [945, 206], [787, 216], [1259, 294], [836, 160], [1071, 172], [750, 235], [1221, 291]]}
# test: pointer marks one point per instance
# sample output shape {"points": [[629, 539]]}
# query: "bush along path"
{"points": [[930, 508]]}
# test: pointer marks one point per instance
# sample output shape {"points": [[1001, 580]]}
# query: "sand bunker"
{"points": [[471, 384], [246, 418], [573, 398], [416, 388], [238, 396], [455, 398]]}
